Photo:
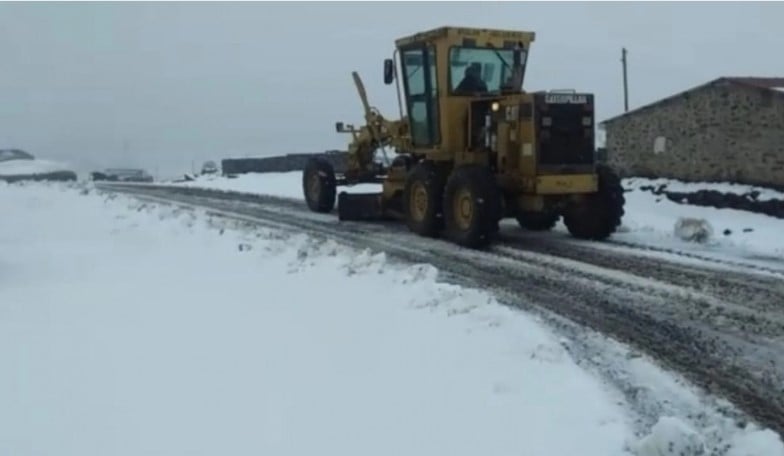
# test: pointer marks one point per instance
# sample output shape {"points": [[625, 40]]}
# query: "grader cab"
{"points": [[472, 147]]}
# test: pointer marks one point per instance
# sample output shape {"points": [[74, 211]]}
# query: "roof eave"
{"points": [[731, 80]]}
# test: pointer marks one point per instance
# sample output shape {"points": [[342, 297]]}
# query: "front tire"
{"points": [[598, 215], [471, 206], [319, 185]]}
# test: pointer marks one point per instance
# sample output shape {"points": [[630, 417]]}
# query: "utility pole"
{"points": [[625, 82]]}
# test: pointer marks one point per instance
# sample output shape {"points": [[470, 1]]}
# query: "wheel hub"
{"points": [[418, 203], [464, 209], [314, 186]]}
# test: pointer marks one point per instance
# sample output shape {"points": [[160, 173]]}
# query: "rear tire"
{"points": [[472, 206], [537, 221], [599, 215], [319, 185], [422, 199]]}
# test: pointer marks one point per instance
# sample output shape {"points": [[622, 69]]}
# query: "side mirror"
{"points": [[389, 71]]}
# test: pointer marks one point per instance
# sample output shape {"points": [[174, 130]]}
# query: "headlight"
{"points": [[495, 106]]}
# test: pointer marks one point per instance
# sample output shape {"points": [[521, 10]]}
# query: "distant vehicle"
{"points": [[209, 168], [122, 175]]}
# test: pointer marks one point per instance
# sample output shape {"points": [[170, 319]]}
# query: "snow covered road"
{"points": [[648, 222], [667, 309], [127, 329], [173, 332]]}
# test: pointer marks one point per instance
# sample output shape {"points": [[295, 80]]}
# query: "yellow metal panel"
{"points": [[427, 35], [392, 187], [566, 183], [527, 164], [493, 36], [515, 184], [504, 146]]}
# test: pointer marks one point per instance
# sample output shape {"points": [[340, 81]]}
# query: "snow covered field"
{"points": [[649, 220]]}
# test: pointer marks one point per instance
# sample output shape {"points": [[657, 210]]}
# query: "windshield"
{"points": [[481, 69]]}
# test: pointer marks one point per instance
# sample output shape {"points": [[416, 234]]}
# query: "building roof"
{"points": [[773, 84], [765, 83]]}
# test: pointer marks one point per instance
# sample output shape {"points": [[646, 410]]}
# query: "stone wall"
{"points": [[726, 132], [282, 163], [53, 176]]}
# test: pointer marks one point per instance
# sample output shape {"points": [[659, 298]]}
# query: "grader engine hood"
{"points": [[564, 125]]}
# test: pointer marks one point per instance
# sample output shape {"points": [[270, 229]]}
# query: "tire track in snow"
{"points": [[622, 247]]}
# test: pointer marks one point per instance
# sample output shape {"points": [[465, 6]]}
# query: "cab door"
{"points": [[421, 92]]}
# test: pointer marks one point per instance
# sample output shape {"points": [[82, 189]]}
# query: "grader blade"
{"points": [[360, 206]]}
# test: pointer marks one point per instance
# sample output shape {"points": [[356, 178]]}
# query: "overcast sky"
{"points": [[160, 85]]}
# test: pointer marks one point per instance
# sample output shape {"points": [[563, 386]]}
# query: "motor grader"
{"points": [[472, 146]]}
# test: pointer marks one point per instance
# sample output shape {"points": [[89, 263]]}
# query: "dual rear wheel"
{"points": [[465, 207]]}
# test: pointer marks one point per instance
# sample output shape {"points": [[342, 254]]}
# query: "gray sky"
{"points": [[172, 83]]}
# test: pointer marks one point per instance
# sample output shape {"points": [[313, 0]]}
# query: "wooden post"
{"points": [[625, 82]]}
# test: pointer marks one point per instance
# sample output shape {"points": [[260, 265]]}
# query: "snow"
{"points": [[650, 220], [133, 328], [30, 167], [757, 443], [671, 436], [285, 185], [672, 431], [129, 328], [674, 185]]}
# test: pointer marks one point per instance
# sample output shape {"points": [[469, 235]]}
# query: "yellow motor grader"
{"points": [[473, 147]]}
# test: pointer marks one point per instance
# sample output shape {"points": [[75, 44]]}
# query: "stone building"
{"points": [[729, 129], [282, 163]]}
